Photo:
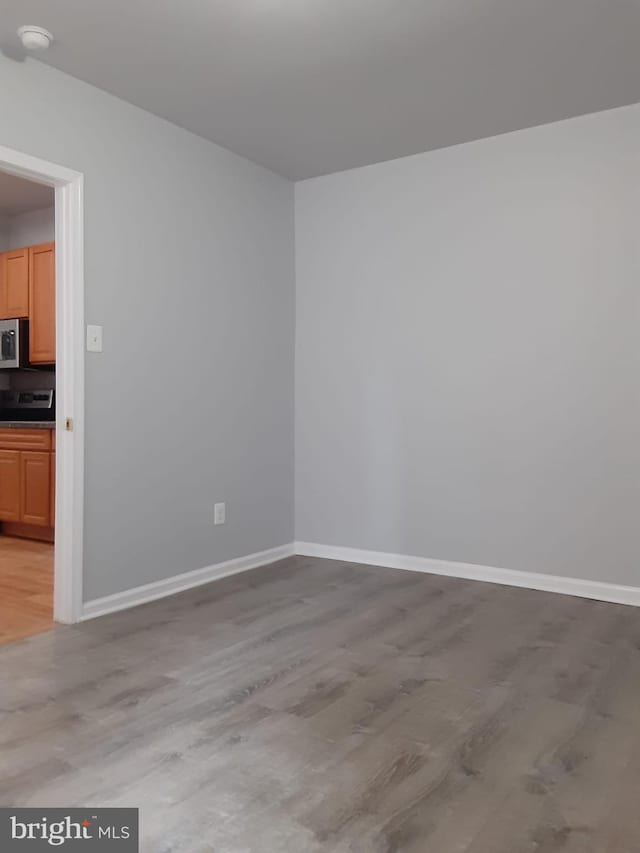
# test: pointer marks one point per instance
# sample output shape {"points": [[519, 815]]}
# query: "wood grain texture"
{"points": [[9, 485], [326, 707], [26, 439], [42, 304], [14, 284], [27, 478], [26, 589]]}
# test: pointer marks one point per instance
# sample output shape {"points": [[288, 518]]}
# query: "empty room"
{"points": [[341, 403]]}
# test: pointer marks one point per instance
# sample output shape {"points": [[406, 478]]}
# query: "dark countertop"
{"points": [[27, 424]]}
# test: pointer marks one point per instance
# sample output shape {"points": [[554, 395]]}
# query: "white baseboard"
{"points": [[597, 590], [615, 593], [179, 583]]}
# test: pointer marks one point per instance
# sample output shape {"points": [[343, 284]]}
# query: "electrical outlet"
{"points": [[219, 513]]}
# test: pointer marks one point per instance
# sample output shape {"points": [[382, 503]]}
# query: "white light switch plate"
{"points": [[219, 513], [94, 338]]}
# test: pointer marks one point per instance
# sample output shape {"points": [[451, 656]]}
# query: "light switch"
{"points": [[94, 338]]}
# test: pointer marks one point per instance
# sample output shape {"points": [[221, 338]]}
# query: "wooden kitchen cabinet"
{"points": [[35, 488], [28, 290], [10, 485], [27, 475], [42, 304], [52, 497], [14, 284]]}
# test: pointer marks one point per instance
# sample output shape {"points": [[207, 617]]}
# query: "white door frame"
{"points": [[67, 603]]}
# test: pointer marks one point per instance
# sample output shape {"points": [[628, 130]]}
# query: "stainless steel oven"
{"points": [[14, 343]]}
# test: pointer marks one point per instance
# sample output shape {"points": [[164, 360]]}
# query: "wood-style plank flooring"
{"points": [[319, 707], [26, 588]]}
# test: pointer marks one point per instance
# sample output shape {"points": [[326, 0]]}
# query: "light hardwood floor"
{"points": [[320, 707], [26, 588]]}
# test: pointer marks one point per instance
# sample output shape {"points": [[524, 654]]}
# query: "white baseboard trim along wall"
{"points": [[180, 583], [615, 593], [611, 592]]}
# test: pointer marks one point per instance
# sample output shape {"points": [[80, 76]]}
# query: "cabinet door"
{"points": [[35, 488], [42, 304], [9, 485], [14, 284], [52, 506]]}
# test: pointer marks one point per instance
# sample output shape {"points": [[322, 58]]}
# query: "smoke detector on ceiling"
{"points": [[35, 38]]}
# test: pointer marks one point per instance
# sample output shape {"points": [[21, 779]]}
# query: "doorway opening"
{"points": [[41, 394]]}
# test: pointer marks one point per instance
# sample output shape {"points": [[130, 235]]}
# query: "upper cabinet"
{"points": [[14, 284], [28, 290], [42, 304]]}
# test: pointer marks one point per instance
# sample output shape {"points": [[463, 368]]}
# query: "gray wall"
{"points": [[29, 229], [468, 354], [189, 267]]}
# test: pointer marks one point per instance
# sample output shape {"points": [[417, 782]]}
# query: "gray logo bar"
{"points": [[35, 830]]}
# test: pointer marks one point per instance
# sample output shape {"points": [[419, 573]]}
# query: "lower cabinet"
{"points": [[52, 499], [26, 487], [9, 485], [35, 488]]}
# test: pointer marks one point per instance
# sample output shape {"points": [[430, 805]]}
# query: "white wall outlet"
{"points": [[94, 338], [219, 513]]}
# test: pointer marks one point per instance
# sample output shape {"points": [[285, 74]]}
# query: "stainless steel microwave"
{"points": [[14, 343]]}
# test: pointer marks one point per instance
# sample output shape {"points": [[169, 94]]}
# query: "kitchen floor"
{"points": [[26, 588], [331, 708]]}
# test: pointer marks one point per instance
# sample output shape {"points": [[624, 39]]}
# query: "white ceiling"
{"points": [[307, 87], [20, 196]]}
